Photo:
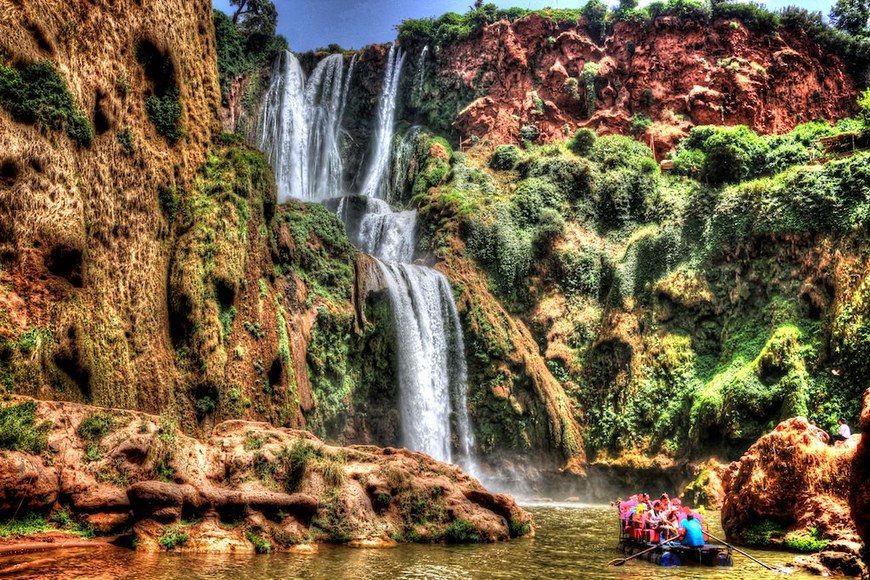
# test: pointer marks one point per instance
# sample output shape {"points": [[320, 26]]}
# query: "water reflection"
{"points": [[573, 541]]}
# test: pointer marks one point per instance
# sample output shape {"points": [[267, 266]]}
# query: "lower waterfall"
{"points": [[431, 361]]}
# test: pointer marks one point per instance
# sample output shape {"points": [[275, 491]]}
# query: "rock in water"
{"points": [[796, 482]]}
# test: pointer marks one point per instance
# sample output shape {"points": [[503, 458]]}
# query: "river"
{"points": [[572, 541]]}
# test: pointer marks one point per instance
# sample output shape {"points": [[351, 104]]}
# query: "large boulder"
{"points": [[798, 486]]}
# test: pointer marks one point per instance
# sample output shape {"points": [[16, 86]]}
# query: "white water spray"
{"points": [[375, 184], [431, 359], [301, 126]]}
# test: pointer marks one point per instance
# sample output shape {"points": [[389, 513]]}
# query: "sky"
{"points": [[310, 24]]}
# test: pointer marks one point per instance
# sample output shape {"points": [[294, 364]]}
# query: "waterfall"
{"points": [[301, 128], [300, 134], [401, 172], [377, 230], [375, 184], [431, 360], [417, 93]]}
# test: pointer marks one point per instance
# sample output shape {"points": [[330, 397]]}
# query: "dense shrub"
{"points": [[595, 13], [19, 430], [640, 123], [35, 93], [505, 157], [754, 16], [627, 182], [531, 197], [572, 178], [580, 271], [504, 249], [734, 154], [582, 142]]}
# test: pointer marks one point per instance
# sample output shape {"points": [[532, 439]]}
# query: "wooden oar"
{"points": [[621, 561], [739, 551]]}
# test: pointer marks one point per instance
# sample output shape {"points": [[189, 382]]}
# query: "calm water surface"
{"points": [[573, 541]]}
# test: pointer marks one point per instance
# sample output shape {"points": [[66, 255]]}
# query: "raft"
{"points": [[675, 554]]}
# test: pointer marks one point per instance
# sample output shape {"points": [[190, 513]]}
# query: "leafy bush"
{"points": [[572, 178], [811, 541], [504, 249], [640, 123], [595, 13], [529, 133], [762, 533], [734, 154], [628, 181], [125, 138], [35, 93], [580, 271], [173, 537], [295, 461], [261, 544], [754, 16], [169, 201], [19, 430], [505, 157], [29, 523], [582, 142], [531, 197]]}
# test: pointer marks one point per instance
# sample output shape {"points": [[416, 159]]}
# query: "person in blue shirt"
{"points": [[690, 532]]}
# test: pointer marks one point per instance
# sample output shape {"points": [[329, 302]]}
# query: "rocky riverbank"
{"points": [[248, 487], [792, 490]]}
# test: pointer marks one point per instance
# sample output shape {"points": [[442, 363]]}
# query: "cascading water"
{"points": [[403, 155], [375, 184], [377, 230], [431, 359], [417, 93], [300, 136], [301, 127]]}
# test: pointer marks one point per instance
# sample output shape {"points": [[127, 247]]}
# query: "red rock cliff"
{"points": [[680, 73]]}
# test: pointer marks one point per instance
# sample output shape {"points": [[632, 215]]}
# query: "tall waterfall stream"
{"points": [[300, 133]]}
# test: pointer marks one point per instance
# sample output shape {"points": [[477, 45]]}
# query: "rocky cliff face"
{"points": [[859, 497], [85, 245], [552, 77]]}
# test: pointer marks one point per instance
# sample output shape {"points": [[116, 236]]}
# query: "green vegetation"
{"points": [[807, 542], [165, 112], [35, 93], [504, 157], [34, 523], [762, 534], [29, 523], [461, 531], [172, 537], [718, 325], [96, 425], [125, 138], [92, 429], [247, 41], [19, 430], [261, 544]]}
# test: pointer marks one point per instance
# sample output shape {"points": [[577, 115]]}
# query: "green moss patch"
{"points": [[36, 93]]}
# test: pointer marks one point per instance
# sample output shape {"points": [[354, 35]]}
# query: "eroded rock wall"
{"points": [[85, 244], [679, 72]]}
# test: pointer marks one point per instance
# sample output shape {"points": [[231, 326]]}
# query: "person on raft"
{"points": [[690, 532]]}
